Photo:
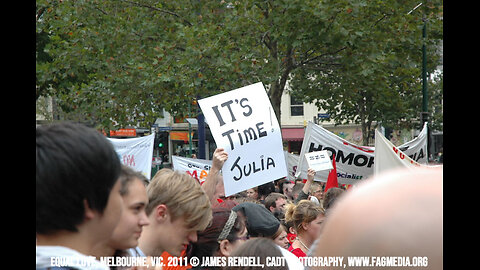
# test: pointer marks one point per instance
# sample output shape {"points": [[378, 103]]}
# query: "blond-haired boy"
{"points": [[177, 208]]}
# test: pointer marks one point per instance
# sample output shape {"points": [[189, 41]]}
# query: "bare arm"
{"points": [[310, 176], [219, 157], [303, 195]]}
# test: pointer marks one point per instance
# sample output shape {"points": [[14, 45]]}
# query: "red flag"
{"points": [[332, 180]]}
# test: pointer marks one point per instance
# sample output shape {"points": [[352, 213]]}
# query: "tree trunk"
{"points": [[278, 86]]}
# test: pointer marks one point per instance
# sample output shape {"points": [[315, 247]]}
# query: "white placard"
{"points": [[319, 160], [242, 121]]}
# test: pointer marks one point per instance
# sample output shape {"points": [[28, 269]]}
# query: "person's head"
{"points": [[260, 248], [275, 202], [316, 190], [299, 181], [219, 190], [287, 189], [397, 213], [252, 193], [265, 189], [307, 218], [226, 232], [134, 217], [331, 196], [177, 208], [296, 190], [280, 237], [260, 221], [77, 172]]}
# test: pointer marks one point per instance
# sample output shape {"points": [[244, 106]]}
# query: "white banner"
{"points": [[416, 149], [242, 121], [292, 162], [353, 162], [136, 153], [388, 156], [197, 168]]}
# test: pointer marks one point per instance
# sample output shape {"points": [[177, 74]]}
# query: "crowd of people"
{"points": [[89, 207]]}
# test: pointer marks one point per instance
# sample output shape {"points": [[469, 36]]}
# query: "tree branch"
{"points": [[104, 12], [379, 20], [306, 61], [159, 9]]}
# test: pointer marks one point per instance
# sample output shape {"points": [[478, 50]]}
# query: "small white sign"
{"points": [[319, 160]]}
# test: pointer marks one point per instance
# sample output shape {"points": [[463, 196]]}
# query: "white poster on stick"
{"points": [[319, 160], [242, 121]]}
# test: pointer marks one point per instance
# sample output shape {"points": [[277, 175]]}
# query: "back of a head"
{"points": [[260, 221], [331, 196], [265, 189], [182, 195], [73, 163], [297, 188], [398, 213]]}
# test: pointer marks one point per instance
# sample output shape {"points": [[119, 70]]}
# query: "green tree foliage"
{"points": [[378, 75], [119, 63]]}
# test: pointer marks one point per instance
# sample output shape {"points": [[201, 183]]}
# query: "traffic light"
{"points": [[161, 139]]}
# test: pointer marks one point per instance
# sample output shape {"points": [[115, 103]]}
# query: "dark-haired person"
{"points": [[331, 196], [134, 217], [223, 236], [275, 202], [78, 202]]}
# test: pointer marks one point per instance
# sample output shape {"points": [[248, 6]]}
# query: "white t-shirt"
{"points": [[58, 256]]}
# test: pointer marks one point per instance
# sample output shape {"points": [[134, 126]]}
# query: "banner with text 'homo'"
{"points": [[353, 162]]}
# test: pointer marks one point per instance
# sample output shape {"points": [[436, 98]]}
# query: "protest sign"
{"points": [[136, 153], [353, 162], [319, 160], [197, 168], [242, 121]]}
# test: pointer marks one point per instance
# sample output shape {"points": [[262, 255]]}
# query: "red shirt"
{"points": [[297, 251]]}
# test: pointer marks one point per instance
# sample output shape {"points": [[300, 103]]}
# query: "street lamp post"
{"points": [[424, 114], [424, 69]]}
